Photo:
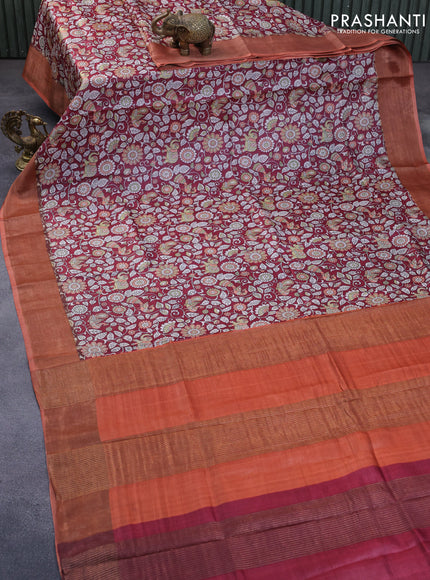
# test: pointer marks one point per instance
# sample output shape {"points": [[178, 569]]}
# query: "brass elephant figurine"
{"points": [[186, 29]]}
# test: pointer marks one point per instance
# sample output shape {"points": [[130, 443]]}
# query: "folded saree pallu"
{"points": [[275, 46], [222, 277]]}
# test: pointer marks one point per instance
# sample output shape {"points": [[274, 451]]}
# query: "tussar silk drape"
{"points": [[222, 278]]}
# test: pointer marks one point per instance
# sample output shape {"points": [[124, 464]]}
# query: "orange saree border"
{"points": [[33, 281], [37, 73]]}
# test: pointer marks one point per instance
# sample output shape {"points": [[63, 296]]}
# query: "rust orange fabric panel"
{"points": [[201, 399], [33, 281], [82, 517], [348, 561], [38, 74], [396, 93], [270, 47], [415, 473]]}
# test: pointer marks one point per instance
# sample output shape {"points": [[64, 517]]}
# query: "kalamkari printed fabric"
{"points": [[199, 201]]}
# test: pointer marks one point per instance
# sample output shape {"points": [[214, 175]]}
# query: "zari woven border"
{"points": [[296, 450]]}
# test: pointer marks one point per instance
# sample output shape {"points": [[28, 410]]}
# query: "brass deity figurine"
{"points": [[186, 29], [11, 127]]}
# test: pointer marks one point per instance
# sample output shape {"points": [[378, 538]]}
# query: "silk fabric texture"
{"points": [[294, 449]]}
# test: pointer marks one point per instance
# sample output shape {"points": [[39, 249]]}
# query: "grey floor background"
{"points": [[27, 549]]}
